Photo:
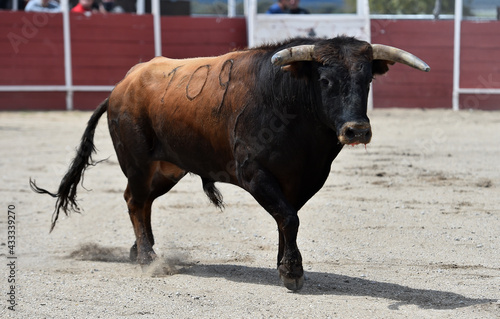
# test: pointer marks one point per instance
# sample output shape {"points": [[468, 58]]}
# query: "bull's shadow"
{"points": [[320, 283], [317, 283]]}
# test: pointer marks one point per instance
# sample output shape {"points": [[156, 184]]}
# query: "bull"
{"points": [[270, 120]]}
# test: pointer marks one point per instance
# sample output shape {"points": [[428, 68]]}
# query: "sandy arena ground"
{"points": [[408, 228]]}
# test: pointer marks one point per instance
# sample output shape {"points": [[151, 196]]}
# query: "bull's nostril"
{"points": [[350, 133], [355, 133]]}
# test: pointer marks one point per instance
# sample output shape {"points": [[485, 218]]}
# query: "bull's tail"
{"points": [[213, 193], [66, 194]]}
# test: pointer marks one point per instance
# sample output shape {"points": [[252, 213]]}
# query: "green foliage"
{"points": [[217, 7], [349, 6], [413, 6], [263, 5]]}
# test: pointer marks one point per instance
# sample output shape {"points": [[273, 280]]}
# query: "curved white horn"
{"points": [[385, 52], [296, 53]]}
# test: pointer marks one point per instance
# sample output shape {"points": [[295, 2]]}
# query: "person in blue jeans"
{"points": [[294, 8], [286, 6], [281, 6], [43, 6]]}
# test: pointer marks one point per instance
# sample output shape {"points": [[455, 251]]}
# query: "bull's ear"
{"points": [[298, 69], [380, 67]]}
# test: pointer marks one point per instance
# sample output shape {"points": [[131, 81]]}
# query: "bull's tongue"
{"points": [[354, 144]]}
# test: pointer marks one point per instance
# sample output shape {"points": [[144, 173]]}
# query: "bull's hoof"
{"points": [[133, 253], [146, 259], [143, 259], [293, 284], [291, 274]]}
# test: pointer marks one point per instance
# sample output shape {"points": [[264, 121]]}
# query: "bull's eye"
{"points": [[324, 82]]}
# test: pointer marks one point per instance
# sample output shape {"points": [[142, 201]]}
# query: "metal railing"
{"points": [[70, 88], [457, 90]]}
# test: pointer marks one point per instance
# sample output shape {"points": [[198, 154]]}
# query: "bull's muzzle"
{"points": [[355, 133]]}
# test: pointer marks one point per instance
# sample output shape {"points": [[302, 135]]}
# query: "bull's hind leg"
{"points": [[142, 189]]}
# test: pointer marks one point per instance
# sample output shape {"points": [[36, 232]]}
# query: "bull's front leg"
{"points": [[290, 264], [267, 192], [290, 267]]}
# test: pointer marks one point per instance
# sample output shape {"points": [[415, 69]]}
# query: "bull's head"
{"points": [[345, 68]]}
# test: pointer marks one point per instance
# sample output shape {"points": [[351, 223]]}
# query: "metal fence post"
{"points": [[68, 68]]}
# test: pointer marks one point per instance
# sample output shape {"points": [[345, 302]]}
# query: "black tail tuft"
{"points": [[66, 194], [213, 193]]}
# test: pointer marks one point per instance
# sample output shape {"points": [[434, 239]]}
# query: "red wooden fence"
{"points": [[433, 42], [104, 47]]}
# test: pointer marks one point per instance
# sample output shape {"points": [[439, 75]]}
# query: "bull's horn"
{"points": [[293, 54], [385, 52]]}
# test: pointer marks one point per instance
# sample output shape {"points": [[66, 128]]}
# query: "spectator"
{"points": [[43, 6], [295, 9], [84, 6], [109, 6], [281, 6], [8, 4]]}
